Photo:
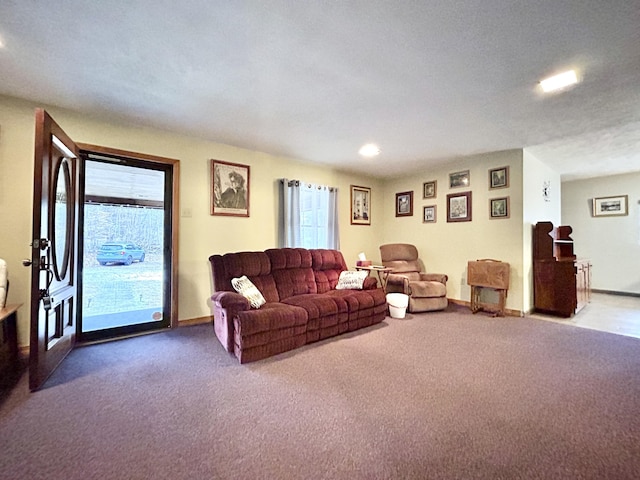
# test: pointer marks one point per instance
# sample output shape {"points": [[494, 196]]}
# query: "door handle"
{"points": [[41, 243], [26, 262]]}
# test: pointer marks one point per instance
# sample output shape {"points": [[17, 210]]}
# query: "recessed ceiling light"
{"points": [[558, 82], [369, 150]]}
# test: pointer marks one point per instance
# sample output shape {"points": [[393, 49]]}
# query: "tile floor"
{"points": [[609, 313]]}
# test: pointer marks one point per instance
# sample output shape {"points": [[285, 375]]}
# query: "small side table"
{"points": [[492, 274], [8, 340], [383, 273]]}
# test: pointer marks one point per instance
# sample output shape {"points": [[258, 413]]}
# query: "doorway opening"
{"points": [[125, 232]]}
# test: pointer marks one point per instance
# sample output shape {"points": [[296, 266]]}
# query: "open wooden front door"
{"points": [[54, 249]]}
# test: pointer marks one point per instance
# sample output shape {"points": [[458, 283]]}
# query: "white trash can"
{"points": [[398, 303]]}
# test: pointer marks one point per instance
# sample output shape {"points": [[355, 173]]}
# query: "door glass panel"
{"points": [[62, 220], [124, 237]]}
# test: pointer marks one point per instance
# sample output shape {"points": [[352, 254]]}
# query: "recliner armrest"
{"points": [[434, 277], [226, 305], [397, 283]]}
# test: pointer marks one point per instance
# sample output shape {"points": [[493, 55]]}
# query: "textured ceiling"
{"points": [[314, 80]]}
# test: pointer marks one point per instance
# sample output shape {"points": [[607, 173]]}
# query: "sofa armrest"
{"points": [[397, 283], [226, 305], [370, 283], [434, 277]]}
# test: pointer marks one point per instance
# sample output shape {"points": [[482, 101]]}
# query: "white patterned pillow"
{"points": [[248, 290], [351, 280]]}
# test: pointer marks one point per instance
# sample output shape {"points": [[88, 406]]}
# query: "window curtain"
{"points": [[308, 215]]}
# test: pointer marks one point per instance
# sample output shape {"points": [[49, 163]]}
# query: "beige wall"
{"points": [[447, 247], [201, 234], [536, 208], [611, 243]]}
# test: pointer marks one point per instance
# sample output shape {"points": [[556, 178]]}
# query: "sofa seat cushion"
{"points": [[359, 299], [271, 316], [428, 289], [321, 306]]}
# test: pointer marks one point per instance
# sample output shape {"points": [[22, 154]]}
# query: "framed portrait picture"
{"points": [[360, 205], [499, 177], [429, 214], [459, 207], [499, 207], [429, 189], [404, 204], [229, 189], [611, 206], [459, 179]]}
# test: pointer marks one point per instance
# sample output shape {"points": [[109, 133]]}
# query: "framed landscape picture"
{"points": [[499, 207], [499, 177], [360, 205], [404, 204], [611, 206], [229, 189], [459, 207], [429, 189], [459, 179], [429, 214]]}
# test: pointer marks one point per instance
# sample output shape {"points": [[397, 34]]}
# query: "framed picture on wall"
{"points": [[499, 177], [429, 189], [360, 205], [404, 204], [459, 179], [459, 207], [229, 189], [429, 214], [611, 206], [499, 207]]}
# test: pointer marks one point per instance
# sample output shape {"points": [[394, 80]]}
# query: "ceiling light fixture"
{"points": [[558, 82], [369, 150]]}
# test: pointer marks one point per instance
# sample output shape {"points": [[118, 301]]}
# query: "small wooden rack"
{"points": [[488, 273]]}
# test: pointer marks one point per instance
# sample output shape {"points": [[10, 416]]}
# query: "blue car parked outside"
{"points": [[123, 253]]}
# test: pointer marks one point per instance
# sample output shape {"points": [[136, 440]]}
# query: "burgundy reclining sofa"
{"points": [[302, 303]]}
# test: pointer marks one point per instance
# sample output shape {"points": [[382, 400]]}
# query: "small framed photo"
{"points": [[499, 207], [499, 177], [611, 206], [229, 189], [429, 214], [429, 189], [459, 207], [404, 204], [360, 205], [459, 179]]}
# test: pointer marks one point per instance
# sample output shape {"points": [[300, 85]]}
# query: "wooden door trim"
{"points": [[88, 149]]}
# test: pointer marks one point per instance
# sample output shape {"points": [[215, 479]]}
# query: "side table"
{"points": [[382, 272], [8, 340], [492, 274]]}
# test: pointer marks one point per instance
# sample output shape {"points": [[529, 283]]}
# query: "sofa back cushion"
{"points": [[291, 271], [255, 265], [327, 265]]}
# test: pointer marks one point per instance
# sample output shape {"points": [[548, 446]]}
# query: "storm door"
{"points": [[126, 245]]}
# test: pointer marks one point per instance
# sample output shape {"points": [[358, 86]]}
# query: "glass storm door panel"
{"points": [[124, 288]]}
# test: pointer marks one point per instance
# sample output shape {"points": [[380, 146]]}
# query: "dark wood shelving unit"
{"points": [[561, 282]]}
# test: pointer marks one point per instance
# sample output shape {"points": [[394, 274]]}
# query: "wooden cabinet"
{"points": [[561, 283]]}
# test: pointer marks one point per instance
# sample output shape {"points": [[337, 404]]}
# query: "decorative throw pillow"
{"points": [[248, 290], [351, 280]]}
